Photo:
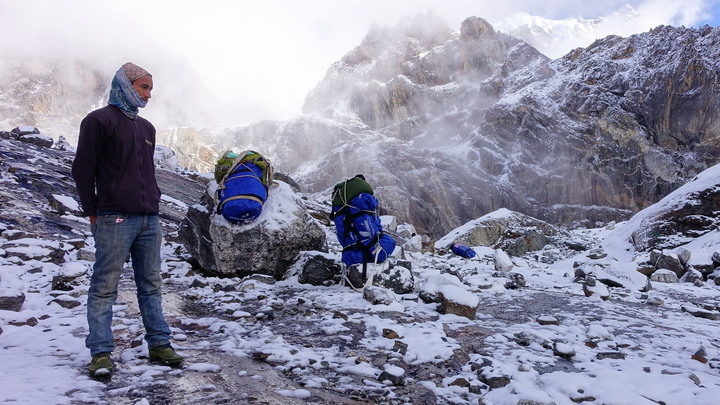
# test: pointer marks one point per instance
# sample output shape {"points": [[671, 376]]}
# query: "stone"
{"points": [[391, 375], [269, 245], [563, 350], [664, 276], [701, 313], [716, 258], [515, 280], [390, 334], [547, 320], [669, 260], [610, 355], [66, 302], [37, 139], [692, 276], [430, 288], [597, 254], [11, 299], [317, 268], [457, 301], [502, 261], [86, 254], [400, 347], [397, 276], [495, 381], [592, 287], [378, 295]]}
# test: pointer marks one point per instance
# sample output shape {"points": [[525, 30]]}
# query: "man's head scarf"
{"points": [[122, 92]]}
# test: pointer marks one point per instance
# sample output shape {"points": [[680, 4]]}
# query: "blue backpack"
{"points": [[357, 223], [243, 188]]}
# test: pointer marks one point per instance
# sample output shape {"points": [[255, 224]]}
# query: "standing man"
{"points": [[114, 172]]}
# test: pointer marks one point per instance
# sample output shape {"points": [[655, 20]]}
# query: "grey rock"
{"points": [[670, 260], [396, 276], [515, 280], [692, 276], [317, 268], [664, 276], [449, 305], [37, 139], [378, 296], [610, 355], [269, 245], [11, 300], [701, 313], [396, 380]]}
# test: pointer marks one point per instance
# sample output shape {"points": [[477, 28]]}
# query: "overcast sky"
{"points": [[259, 59]]}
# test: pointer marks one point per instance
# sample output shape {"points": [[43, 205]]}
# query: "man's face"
{"points": [[144, 86]]}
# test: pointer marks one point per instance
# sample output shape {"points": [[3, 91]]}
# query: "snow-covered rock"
{"points": [[268, 245]]}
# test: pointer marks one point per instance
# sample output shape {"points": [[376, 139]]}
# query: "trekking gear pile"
{"points": [[357, 223], [243, 180]]}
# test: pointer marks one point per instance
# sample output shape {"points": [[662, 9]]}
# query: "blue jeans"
{"points": [[115, 236]]}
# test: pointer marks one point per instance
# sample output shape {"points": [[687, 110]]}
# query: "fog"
{"points": [[234, 63]]}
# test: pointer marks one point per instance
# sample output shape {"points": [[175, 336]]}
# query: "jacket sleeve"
{"points": [[84, 168]]}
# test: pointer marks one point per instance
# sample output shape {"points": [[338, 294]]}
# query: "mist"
{"points": [[230, 64]]}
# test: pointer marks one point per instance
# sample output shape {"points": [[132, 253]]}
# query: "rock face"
{"points": [[268, 245], [594, 136], [450, 124]]}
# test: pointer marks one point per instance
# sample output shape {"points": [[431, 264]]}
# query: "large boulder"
{"points": [[688, 213], [513, 232], [268, 245], [683, 215]]}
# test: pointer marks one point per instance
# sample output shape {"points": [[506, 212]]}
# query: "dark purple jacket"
{"points": [[115, 157]]}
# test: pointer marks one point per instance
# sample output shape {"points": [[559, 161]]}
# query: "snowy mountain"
{"points": [[542, 315], [450, 125], [553, 37]]}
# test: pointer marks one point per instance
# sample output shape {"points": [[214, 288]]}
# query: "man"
{"points": [[114, 173]]}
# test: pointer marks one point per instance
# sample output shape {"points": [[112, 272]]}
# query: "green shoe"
{"points": [[165, 354], [101, 365]]}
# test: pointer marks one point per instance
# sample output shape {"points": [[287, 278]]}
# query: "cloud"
{"points": [[247, 61]]}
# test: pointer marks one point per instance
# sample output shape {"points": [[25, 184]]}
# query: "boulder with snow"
{"points": [[457, 300], [396, 276], [70, 275], [21, 130], [430, 288], [37, 140], [669, 260], [268, 245], [378, 295], [513, 232], [64, 204], [317, 268], [502, 261], [680, 217], [392, 374], [611, 273], [664, 276], [592, 287], [11, 299]]}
